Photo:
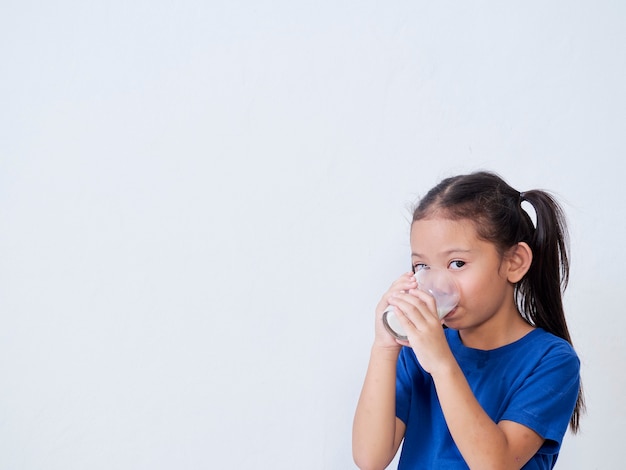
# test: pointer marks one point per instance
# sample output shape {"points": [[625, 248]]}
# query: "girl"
{"points": [[494, 384]]}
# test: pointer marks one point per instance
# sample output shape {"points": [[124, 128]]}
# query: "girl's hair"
{"points": [[496, 211]]}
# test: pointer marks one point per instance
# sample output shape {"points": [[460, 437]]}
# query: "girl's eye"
{"points": [[418, 267], [456, 264]]}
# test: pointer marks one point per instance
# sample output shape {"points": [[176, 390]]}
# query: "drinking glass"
{"points": [[440, 284]]}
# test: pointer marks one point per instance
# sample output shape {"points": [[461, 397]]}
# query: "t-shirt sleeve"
{"points": [[404, 383], [546, 399]]}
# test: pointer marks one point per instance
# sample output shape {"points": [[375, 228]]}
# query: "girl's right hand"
{"points": [[382, 337]]}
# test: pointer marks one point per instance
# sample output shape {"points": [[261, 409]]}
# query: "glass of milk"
{"points": [[440, 284]]}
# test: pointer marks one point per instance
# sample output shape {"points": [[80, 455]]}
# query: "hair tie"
{"points": [[522, 196]]}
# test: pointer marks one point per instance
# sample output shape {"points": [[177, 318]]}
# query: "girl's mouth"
{"points": [[449, 314]]}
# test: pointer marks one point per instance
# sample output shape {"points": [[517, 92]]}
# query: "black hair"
{"points": [[496, 210]]}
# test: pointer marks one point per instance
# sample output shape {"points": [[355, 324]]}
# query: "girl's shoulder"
{"points": [[537, 342], [543, 341]]}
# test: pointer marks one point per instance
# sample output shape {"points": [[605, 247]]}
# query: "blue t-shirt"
{"points": [[533, 381]]}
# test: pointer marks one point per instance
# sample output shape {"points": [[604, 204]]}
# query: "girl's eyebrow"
{"points": [[447, 252]]}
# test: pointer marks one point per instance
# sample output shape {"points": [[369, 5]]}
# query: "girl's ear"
{"points": [[520, 256]]}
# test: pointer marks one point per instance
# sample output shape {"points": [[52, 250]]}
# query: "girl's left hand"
{"points": [[417, 312]]}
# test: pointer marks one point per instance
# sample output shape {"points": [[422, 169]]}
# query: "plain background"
{"points": [[201, 203]]}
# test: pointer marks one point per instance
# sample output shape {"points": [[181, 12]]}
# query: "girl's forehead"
{"points": [[444, 224], [436, 231]]}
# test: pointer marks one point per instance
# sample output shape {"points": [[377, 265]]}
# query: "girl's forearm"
{"points": [[482, 443], [374, 431]]}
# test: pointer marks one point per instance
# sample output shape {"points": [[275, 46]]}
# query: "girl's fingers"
{"points": [[404, 283], [408, 277], [417, 308], [425, 299]]}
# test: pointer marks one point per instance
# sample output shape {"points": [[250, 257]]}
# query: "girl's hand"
{"points": [[417, 313], [403, 284]]}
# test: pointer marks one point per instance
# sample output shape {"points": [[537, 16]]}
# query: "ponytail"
{"points": [[539, 293]]}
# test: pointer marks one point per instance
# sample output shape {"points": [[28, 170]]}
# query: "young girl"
{"points": [[497, 387]]}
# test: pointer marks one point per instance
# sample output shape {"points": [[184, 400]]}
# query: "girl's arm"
{"points": [[377, 433], [483, 443]]}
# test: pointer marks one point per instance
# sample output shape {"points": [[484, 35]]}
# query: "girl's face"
{"points": [[480, 271]]}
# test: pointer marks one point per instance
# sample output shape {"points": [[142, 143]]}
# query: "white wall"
{"points": [[201, 203]]}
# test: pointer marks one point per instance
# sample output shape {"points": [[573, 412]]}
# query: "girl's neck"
{"points": [[491, 336]]}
